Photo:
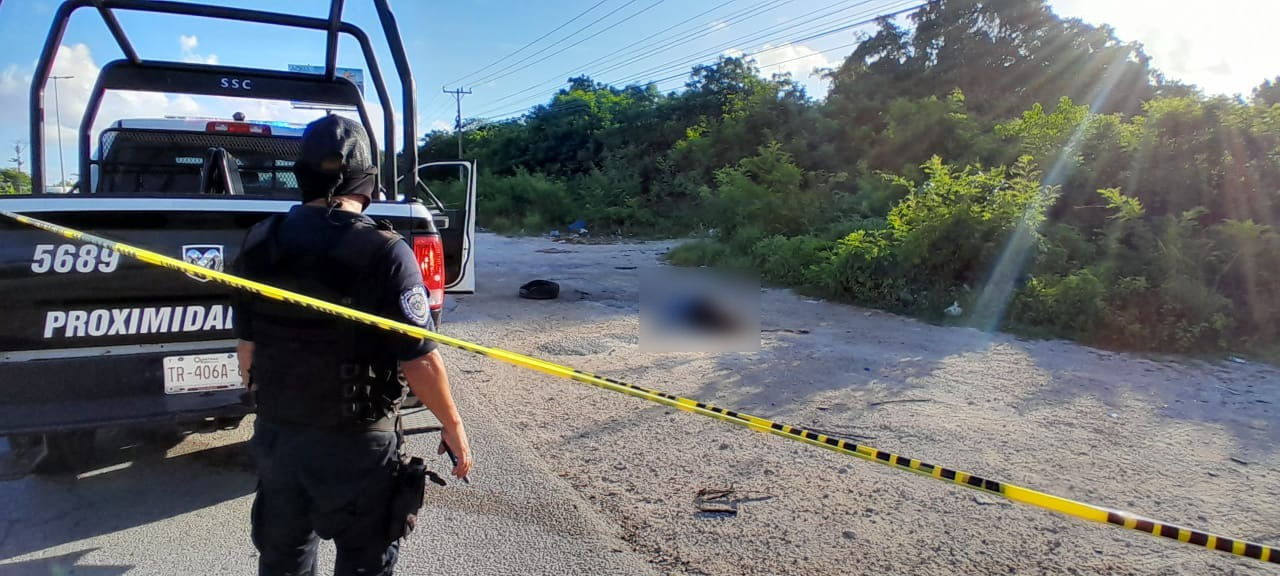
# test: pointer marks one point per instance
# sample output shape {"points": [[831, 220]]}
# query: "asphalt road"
{"points": [[184, 510]]}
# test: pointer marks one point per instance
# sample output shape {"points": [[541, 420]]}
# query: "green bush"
{"points": [[1070, 306], [798, 261]]}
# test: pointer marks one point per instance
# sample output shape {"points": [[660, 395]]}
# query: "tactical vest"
{"points": [[312, 369]]}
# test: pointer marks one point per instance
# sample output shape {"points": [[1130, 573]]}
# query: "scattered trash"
{"points": [[954, 309], [554, 251], [1212, 473], [579, 226], [582, 231], [625, 267], [1113, 415], [849, 535], [1227, 389], [725, 501], [866, 369], [1237, 360], [1240, 461], [554, 234], [787, 330], [540, 290]]}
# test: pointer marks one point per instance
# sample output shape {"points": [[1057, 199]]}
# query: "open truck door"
{"points": [[449, 188]]}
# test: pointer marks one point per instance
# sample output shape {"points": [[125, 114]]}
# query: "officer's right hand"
{"points": [[456, 438]]}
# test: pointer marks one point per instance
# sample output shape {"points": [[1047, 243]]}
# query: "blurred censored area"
{"points": [[699, 310]]}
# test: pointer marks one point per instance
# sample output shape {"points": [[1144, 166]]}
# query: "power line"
{"points": [[777, 31], [607, 58], [539, 39], [517, 64], [686, 61], [845, 25], [828, 32], [611, 26]]}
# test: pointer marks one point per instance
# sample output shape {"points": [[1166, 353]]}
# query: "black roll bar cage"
{"points": [[134, 73]]}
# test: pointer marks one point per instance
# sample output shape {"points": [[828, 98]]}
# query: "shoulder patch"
{"points": [[415, 305]]}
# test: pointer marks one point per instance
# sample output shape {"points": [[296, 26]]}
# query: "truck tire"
{"points": [[67, 452]]}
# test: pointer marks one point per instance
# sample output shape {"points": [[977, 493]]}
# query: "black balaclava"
{"points": [[335, 160]]}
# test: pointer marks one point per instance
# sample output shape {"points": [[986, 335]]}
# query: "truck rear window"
{"points": [[150, 162]]}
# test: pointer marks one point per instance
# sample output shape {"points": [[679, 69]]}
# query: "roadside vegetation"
{"points": [[1032, 172]]}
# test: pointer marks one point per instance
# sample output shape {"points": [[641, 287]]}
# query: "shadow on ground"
{"points": [[65, 564], [132, 483]]}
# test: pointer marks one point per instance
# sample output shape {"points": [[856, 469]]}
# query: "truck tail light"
{"points": [[238, 128], [429, 251]]}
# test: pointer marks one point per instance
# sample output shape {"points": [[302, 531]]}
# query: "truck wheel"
{"points": [[67, 452]]}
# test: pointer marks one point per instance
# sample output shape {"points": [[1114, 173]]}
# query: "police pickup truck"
{"points": [[90, 339]]}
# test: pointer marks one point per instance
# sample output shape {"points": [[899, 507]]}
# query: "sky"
{"points": [[514, 54]]}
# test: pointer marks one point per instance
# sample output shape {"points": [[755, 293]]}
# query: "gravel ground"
{"points": [[185, 510], [1183, 441]]}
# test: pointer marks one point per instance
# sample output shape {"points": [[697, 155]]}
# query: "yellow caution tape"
{"points": [[1010, 491]]}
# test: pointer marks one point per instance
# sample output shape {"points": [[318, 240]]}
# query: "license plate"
{"points": [[201, 373]]}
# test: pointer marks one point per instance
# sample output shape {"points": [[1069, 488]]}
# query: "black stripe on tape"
{"points": [[832, 442], [1115, 518], [1224, 544], [993, 486], [1144, 525], [775, 426], [974, 481], [882, 455], [1169, 532], [732, 413], [810, 435], [1199, 538], [1253, 551], [927, 467], [949, 474]]}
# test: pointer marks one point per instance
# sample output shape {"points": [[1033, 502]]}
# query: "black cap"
{"points": [[335, 159]]}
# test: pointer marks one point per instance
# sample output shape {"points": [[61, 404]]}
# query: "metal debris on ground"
{"points": [[725, 501]]}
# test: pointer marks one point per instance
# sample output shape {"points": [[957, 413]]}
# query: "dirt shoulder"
{"points": [[1187, 442]]}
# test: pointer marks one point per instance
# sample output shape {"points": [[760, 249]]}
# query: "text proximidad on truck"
{"points": [[89, 339]]}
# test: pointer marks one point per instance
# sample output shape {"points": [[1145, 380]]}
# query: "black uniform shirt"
{"points": [[394, 277]]}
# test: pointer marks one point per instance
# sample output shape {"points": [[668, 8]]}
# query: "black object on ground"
{"points": [[540, 290]]}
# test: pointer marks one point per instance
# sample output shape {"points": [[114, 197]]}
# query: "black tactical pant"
{"points": [[314, 484]]}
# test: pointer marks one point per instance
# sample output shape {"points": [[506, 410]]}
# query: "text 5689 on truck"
{"points": [[89, 339]]}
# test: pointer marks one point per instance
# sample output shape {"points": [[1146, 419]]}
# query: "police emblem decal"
{"points": [[413, 302], [203, 255]]}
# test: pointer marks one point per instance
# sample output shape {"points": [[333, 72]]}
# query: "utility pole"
{"points": [[58, 118], [18, 151], [457, 95]]}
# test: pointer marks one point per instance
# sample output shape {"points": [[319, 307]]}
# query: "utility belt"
{"points": [[409, 477], [409, 474]]}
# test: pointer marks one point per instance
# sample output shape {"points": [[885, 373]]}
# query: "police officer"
{"points": [[327, 390]]}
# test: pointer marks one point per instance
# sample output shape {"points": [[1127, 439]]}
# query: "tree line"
{"points": [[1035, 172]]}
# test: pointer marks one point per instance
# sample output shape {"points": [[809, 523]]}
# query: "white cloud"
{"points": [[189, 54], [719, 25], [798, 59], [440, 125]]}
